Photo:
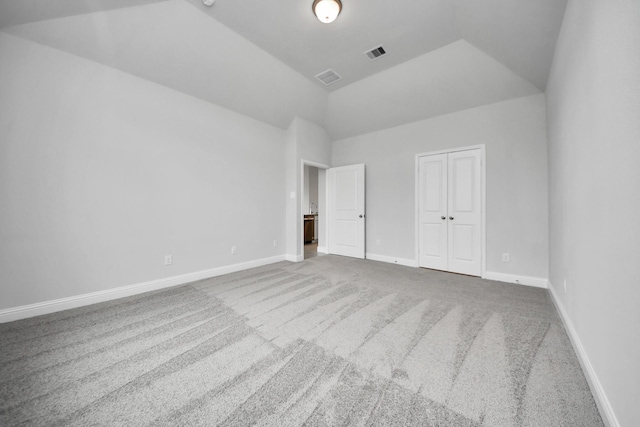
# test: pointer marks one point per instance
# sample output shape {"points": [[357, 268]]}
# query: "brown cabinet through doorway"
{"points": [[309, 228]]}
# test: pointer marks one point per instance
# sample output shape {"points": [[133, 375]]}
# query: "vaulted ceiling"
{"points": [[260, 57]]}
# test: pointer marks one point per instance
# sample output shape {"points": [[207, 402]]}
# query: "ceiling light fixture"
{"points": [[327, 10], [208, 2]]}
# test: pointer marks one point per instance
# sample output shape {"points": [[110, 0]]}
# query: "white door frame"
{"points": [[483, 187], [304, 163]]}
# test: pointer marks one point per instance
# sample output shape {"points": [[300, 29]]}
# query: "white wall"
{"points": [[594, 176], [313, 188], [310, 190], [516, 153], [102, 174], [305, 190]]}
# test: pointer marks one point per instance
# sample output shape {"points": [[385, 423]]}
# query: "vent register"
{"points": [[376, 53], [329, 76]]}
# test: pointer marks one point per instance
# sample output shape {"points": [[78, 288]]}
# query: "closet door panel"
{"points": [[464, 212], [432, 209]]}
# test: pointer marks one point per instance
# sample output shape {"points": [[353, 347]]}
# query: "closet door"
{"points": [[433, 207], [449, 212], [464, 213]]}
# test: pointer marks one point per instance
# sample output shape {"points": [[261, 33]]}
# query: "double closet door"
{"points": [[450, 212]]}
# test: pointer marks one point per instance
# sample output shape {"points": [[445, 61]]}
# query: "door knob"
{"points": [[443, 217], [360, 216], [451, 218]]}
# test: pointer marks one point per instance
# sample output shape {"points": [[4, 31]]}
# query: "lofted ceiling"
{"points": [[519, 33], [239, 51]]}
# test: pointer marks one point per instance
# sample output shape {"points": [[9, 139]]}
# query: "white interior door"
{"points": [[346, 210], [433, 212], [450, 212], [465, 215]]}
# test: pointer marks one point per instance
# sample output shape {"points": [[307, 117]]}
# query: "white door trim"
{"points": [[483, 189]]}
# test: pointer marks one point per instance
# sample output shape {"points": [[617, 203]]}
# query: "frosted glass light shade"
{"points": [[327, 10]]}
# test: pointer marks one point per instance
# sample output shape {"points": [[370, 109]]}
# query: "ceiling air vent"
{"points": [[328, 77], [376, 53]]}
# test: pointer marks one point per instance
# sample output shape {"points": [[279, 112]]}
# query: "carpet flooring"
{"points": [[331, 341]]}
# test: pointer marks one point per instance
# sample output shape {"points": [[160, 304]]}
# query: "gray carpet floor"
{"points": [[330, 341]]}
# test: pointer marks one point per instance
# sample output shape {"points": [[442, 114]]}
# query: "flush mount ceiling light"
{"points": [[327, 10], [208, 2]]}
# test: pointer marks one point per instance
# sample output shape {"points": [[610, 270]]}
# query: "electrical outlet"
{"points": [[275, 243], [168, 260], [565, 286], [505, 257], [378, 242], [234, 249]]}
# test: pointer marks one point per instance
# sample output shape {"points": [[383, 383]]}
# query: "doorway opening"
{"points": [[335, 196], [310, 211], [313, 210]]}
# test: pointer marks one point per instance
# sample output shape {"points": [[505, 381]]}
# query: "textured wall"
{"points": [[594, 152]]}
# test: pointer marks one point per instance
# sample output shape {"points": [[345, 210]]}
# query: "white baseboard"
{"points": [[609, 417], [294, 258], [47, 307], [323, 249], [392, 260], [538, 282]]}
